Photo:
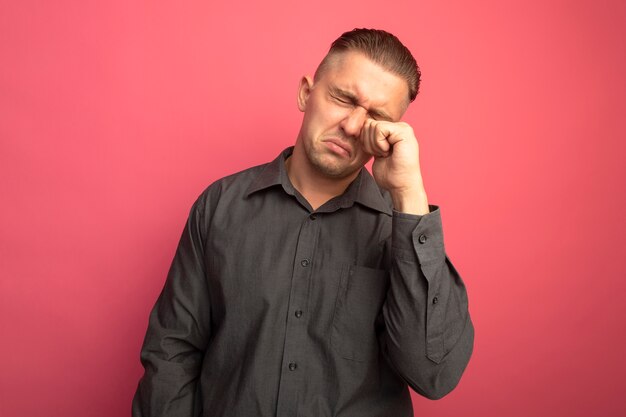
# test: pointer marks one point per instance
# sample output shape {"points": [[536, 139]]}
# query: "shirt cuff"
{"points": [[418, 238]]}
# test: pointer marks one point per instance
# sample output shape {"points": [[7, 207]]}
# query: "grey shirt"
{"points": [[271, 308]]}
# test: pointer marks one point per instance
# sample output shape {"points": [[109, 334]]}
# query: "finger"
{"points": [[365, 137], [381, 137], [378, 139], [374, 141]]}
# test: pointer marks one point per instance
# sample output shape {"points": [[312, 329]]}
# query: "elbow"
{"points": [[435, 388], [436, 380], [434, 395], [434, 392], [431, 380]]}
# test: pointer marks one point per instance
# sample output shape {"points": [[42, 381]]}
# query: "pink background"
{"points": [[114, 116]]}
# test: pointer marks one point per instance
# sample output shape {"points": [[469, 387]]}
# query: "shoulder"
{"points": [[231, 187], [239, 181]]}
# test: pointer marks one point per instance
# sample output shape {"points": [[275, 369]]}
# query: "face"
{"points": [[350, 90]]}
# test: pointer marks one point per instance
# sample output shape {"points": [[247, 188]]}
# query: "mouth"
{"points": [[338, 147]]}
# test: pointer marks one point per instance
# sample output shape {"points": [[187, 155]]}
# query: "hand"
{"points": [[396, 163]]}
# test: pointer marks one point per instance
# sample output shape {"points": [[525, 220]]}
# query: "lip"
{"points": [[339, 147]]}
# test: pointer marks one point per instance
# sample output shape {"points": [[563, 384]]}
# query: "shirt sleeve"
{"points": [[429, 335], [178, 332]]}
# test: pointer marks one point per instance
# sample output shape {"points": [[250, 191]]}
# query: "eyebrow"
{"points": [[336, 91]]}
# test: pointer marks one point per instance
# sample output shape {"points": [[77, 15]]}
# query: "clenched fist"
{"points": [[396, 165]]}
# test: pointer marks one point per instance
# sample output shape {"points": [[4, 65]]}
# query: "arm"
{"points": [[178, 332], [429, 334]]}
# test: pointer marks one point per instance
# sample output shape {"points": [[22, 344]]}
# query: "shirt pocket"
{"points": [[362, 292]]}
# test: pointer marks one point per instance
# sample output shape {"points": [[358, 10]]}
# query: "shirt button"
{"points": [[312, 217], [299, 313], [304, 262], [435, 300], [293, 366], [422, 239]]}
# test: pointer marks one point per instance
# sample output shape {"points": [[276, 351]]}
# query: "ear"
{"points": [[304, 91]]}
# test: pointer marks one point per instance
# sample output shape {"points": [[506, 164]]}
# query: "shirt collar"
{"points": [[362, 190], [369, 194], [274, 173]]}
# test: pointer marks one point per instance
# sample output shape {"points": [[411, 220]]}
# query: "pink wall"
{"points": [[114, 115]]}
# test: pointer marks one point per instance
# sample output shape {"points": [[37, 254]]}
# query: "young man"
{"points": [[305, 287]]}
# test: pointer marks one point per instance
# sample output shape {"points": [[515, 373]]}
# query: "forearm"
{"points": [[178, 333], [411, 200], [172, 368], [429, 334]]}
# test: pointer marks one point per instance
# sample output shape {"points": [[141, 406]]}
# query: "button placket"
{"points": [[295, 331]]}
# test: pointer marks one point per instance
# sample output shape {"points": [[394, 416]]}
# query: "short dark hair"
{"points": [[381, 47]]}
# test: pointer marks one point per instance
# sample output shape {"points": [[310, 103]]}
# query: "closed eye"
{"points": [[345, 98], [342, 96], [378, 116], [342, 100]]}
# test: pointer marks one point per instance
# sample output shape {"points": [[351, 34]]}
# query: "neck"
{"points": [[314, 186]]}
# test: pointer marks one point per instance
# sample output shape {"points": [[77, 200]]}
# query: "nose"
{"points": [[353, 122]]}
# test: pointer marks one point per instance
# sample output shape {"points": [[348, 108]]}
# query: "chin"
{"points": [[330, 165], [337, 172]]}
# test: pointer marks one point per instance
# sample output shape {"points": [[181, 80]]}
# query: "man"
{"points": [[305, 287]]}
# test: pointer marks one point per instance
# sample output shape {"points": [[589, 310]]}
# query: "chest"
{"points": [[262, 256]]}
